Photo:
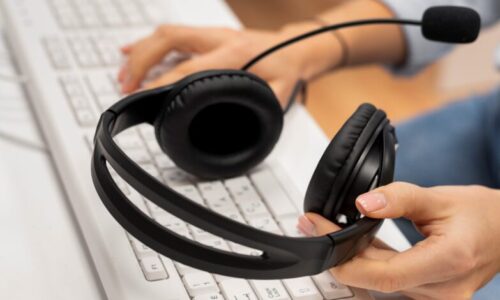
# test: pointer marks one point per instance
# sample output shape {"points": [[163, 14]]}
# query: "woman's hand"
{"points": [[461, 251], [219, 48]]}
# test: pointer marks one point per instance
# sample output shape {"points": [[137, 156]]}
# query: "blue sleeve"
{"points": [[421, 52]]}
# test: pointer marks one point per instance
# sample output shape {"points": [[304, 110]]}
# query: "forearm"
{"points": [[366, 44], [371, 43]]}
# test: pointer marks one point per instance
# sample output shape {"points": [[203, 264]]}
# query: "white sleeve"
{"points": [[421, 52]]}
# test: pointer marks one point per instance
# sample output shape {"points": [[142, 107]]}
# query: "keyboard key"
{"points": [[216, 242], [155, 209], [266, 224], [215, 296], [199, 234], [154, 149], [57, 53], [233, 215], [171, 222], [85, 117], [153, 15], [99, 83], [163, 162], [102, 89], [212, 189], [302, 288], [269, 290], [129, 141], [137, 200], [84, 52], [241, 249], [64, 13], [175, 176], [198, 283], [331, 288], [141, 251], [138, 155], [151, 170], [131, 12], [253, 208], [90, 19], [221, 203], [110, 14], [147, 132], [289, 227], [274, 195], [121, 184], [184, 269], [189, 191], [153, 268], [237, 289], [108, 50], [73, 88], [106, 101], [241, 189]]}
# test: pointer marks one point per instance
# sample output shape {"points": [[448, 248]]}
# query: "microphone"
{"points": [[451, 24]]}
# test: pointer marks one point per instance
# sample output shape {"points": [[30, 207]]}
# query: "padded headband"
{"points": [[282, 256]]}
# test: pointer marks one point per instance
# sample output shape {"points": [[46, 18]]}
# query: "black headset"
{"points": [[221, 123]]}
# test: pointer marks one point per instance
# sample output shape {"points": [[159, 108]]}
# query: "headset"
{"points": [[221, 123]]}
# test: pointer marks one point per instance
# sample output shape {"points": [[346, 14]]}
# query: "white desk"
{"points": [[42, 254]]}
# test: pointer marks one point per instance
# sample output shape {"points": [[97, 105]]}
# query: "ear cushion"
{"points": [[219, 123], [323, 194]]}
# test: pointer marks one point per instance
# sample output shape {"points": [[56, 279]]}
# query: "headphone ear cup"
{"points": [[220, 123], [325, 191]]}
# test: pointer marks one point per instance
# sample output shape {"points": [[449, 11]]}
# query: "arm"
{"points": [[226, 48]]}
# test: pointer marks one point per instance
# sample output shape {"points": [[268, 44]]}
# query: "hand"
{"points": [[218, 48], [461, 251]]}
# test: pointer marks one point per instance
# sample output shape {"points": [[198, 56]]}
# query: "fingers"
{"points": [[125, 49], [149, 51], [424, 263], [207, 61], [401, 200], [315, 225], [381, 268], [145, 54]]}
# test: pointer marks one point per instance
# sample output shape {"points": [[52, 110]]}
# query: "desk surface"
{"points": [[43, 255]]}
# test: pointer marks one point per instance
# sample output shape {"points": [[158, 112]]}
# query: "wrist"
{"points": [[316, 54]]}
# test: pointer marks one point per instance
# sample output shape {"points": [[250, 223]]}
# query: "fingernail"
{"points": [[306, 226], [122, 74], [371, 202], [127, 83]]}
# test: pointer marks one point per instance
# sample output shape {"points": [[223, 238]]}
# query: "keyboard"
{"points": [[256, 199], [68, 50]]}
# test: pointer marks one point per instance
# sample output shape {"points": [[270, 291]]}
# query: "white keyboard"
{"points": [[69, 51], [256, 199]]}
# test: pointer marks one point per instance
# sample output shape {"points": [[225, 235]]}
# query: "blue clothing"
{"points": [[456, 145]]}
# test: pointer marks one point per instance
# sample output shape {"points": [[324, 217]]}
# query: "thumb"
{"points": [[401, 199], [312, 224]]}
